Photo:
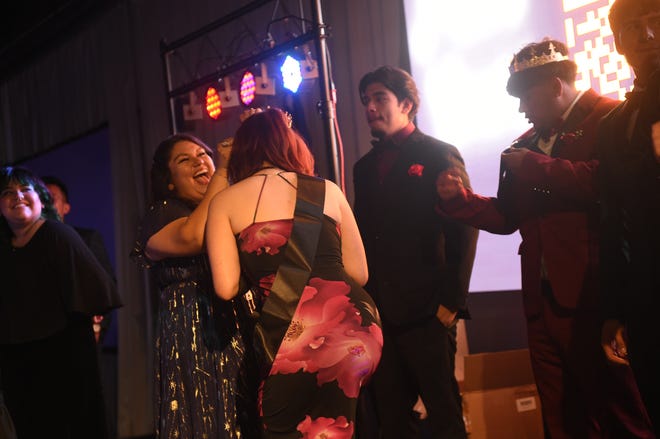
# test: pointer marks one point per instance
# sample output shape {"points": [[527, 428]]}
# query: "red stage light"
{"points": [[248, 87], [213, 103]]}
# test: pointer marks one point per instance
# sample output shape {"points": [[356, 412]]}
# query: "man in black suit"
{"points": [[629, 153], [419, 262], [92, 238], [101, 324]]}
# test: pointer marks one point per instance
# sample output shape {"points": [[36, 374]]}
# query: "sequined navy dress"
{"points": [[202, 380]]}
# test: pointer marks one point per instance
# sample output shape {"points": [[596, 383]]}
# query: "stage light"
{"points": [[309, 66], [213, 103], [265, 85], [248, 87], [193, 109], [228, 96], [291, 75]]}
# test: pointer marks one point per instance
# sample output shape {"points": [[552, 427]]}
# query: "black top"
{"points": [[94, 241], [53, 275]]}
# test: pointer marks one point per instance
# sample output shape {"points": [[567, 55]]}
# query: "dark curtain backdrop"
{"points": [[110, 73]]}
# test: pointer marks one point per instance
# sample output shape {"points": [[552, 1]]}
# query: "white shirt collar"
{"points": [[546, 146]]}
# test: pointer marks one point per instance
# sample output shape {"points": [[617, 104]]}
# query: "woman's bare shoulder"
{"points": [[332, 188], [334, 198], [235, 190]]}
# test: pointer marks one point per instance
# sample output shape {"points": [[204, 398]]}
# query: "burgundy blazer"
{"points": [[552, 201]]}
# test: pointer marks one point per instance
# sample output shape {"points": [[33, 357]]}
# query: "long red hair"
{"points": [[267, 137]]}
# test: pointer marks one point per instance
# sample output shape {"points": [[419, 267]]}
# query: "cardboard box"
{"points": [[500, 399]]}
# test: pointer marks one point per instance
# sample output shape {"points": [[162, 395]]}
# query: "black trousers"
{"points": [[52, 387], [416, 362], [644, 355]]}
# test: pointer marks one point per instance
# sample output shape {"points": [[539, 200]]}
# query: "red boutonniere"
{"points": [[416, 170], [571, 136]]}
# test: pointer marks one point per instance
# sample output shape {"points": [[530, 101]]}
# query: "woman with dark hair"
{"points": [[199, 349], [51, 287], [317, 336]]}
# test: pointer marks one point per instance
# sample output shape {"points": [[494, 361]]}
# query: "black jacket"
{"points": [[629, 180], [417, 259]]}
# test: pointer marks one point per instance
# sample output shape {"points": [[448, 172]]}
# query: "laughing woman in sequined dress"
{"points": [[202, 386]]}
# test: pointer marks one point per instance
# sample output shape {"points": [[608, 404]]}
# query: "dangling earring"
{"points": [[170, 186]]}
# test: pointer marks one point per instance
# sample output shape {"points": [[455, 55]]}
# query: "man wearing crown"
{"points": [[547, 192], [629, 154]]}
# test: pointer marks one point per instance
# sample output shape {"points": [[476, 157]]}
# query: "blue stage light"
{"points": [[291, 74]]}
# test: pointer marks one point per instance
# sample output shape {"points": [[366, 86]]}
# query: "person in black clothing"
{"points": [[52, 285], [92, 237], [100, 323], [419, 262], [629, 178]]}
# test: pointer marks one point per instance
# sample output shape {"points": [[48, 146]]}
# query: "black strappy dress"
{"points": [[332, 345]]}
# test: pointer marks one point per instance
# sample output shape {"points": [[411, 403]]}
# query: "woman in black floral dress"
{"points": [[332, 341], [200, 375]]}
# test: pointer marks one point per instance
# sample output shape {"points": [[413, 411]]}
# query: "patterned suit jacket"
{"points": [[552, 200]]}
